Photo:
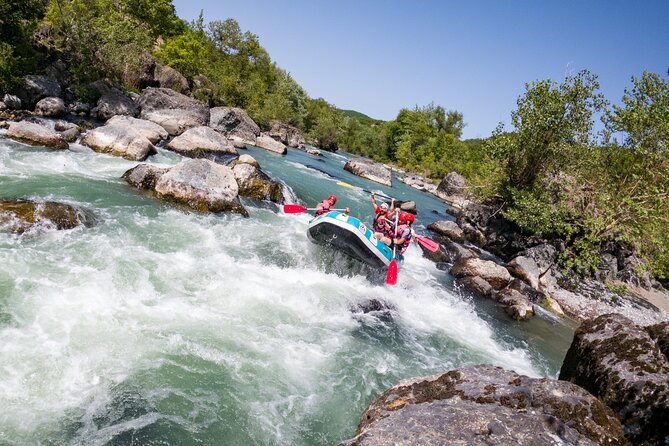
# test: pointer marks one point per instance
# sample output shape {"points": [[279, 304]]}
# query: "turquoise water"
{"points": [[161, 326]]}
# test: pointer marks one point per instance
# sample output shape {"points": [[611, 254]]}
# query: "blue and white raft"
{"points": [[352, 237]]}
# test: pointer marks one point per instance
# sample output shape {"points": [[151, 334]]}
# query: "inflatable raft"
{"points": [[352, 237]]}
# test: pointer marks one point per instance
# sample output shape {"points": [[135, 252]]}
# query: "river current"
{"points": [[160, 326]]}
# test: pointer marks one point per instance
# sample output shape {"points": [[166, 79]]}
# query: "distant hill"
{"points": [[355, 114]]}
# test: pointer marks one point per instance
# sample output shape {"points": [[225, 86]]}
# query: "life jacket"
{"points": [[380, 224], [404, 232], [325, 207]]}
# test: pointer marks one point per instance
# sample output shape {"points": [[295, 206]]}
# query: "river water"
{"points": [[160, 326]]}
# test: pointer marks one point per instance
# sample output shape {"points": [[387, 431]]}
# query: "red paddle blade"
{"points": [[391, 275], [428, 244], [293, 208]]}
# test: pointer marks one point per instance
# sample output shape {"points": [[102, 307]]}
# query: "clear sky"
{"points": [[377, 57]]}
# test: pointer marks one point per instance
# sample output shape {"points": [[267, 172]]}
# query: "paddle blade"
{"points": [[341, 183], [428, 244], [391, 275], [293, 208]]}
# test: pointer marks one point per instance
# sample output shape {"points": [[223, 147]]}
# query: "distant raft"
{"points": [[352, 237]]}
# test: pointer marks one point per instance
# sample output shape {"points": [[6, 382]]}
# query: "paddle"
{"points": [[296, 209], [391, 275], [341, 183]]}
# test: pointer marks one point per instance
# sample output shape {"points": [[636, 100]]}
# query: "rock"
{"points": [[174, 111], [198, 142], [202, 185], [240, 143], [234, 122], [147, 72], [438, 256], [36, 87], [453, 184], [114, 103], [80, 108], [71, 134], [50, 107], [659, 333], [150, 130], [247, 159], [608, 268], [271, 144], [314, 152], [525, 268], [168, 77], [486, 405], [552, 305], [476, 285], [35, 134], [449, 229], [287, 134], [494, 274], [254, 183], [408, 206], [515, 304], [619, 363], [370, 170], [144, 176], [12, 102], [20, 216], [118, 138]]}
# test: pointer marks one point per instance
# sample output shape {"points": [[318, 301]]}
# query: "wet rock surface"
{"points": [[36, 134], [484, 405], [119, 138], [19, 216]]}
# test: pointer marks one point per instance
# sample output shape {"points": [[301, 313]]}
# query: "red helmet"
{"points": [[332, 198], [406, 217]]}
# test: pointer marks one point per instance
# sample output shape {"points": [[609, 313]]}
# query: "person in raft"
{"points": [[404, 231], [383, 220], [326, 205]]}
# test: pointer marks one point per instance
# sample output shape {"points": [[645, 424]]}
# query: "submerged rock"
{"points": [[369, 169], [19, 216], [254, 183], [36, 134], [621, 364], [483, 405]]}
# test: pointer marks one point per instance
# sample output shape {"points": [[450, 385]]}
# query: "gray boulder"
{"points": [[144, 176], [233, 121], [370, 170], [79, 108], [50, 107], [408, 206], [119, 139], [621, 364], [254, 183], [453, 184], [449, 229], [202, 185], [314, 152], [115, 103], [36, 87], [150, 130], [173, 111], [35, 134], [69, 131], [496, 275], [12, 102], [287, 134], [19, 216], [486, 405], [525, 268], [168, 77], [515, 304], [268, 143], [198, 142]]}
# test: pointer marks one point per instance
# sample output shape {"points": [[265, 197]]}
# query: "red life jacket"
{"points": [[380, 224], [404, 232], [325, 207]]}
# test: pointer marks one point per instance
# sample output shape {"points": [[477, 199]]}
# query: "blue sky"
{"points": [[377, 57]]}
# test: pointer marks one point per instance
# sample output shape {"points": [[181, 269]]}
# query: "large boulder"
{"points": [[36, 87], [369, 169], [50, 107], [287, 134], [496, 275], [146, 75], [516, 304], [525, 268], [254, 183], [453, 184], [150, 130], [198, 142], [486, 405], [68, 130], [233, 121], [168, 77], [173, 111], [12, 102], [119, 138], [19, 216], [268, 143], [35, 134], [619, 362], [202, 185], [144, 176], [115, 103], [448, 229]]}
